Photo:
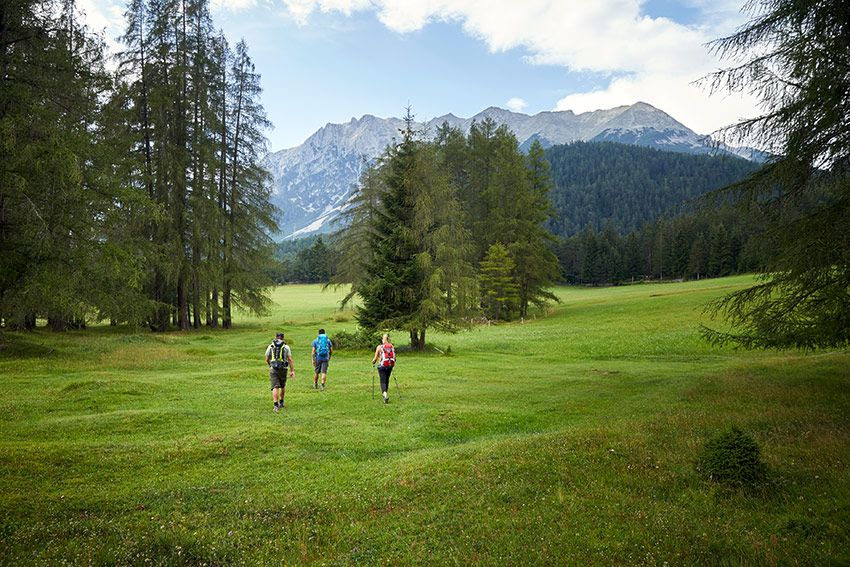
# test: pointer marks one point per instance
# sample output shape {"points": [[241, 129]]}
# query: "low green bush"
{"points": [[733, 459], [358, 340]]}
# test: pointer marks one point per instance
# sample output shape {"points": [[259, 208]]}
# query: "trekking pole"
{"points": [[373, 381], [396, 387]]}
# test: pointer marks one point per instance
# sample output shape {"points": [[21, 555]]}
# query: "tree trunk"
{"points": [[208, 309], [226, 319], [196, 297], [523, 308], [180, 174], [78, 322], [57, 323], [215, 308], [25, 323], [159, 322], [417, 339], [182, 303]]}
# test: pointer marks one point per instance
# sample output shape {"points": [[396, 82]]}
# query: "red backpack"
{"points": [[387, 355]]}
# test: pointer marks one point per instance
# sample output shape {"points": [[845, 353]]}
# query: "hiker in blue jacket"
{"points": [[323, 349]]}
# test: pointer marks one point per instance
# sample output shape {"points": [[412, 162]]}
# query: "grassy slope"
{"points": [[569, 438]]}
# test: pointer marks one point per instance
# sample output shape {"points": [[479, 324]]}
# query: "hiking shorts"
{"points": [[322, 366], [277, 377]]}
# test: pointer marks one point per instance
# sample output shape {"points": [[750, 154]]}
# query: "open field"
{"points": [[567, 439]]}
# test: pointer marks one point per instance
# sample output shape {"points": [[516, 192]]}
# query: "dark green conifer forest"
{"points": [[132, 195]]}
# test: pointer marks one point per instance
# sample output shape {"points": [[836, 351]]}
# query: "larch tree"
{"points": [[249, 214], [356, 239], [536, 265], [795, 57]]}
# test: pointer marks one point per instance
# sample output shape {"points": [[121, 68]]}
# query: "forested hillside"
{"points": [[597, 184]]}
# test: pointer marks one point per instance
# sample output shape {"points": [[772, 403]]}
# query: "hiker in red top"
{"points": [[385, 357]]}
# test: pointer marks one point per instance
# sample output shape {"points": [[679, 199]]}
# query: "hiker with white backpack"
{"points": [[279, 360], [323, 349], [385, 357]]}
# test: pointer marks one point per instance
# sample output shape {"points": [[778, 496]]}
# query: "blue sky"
{"points": [[330, 60], [337, 68]]}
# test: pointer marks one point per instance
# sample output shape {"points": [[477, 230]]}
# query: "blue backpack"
{"points": [[323, 348]]}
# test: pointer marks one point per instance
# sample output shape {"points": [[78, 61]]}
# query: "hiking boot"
{"points": [[323, 387], [315, 385], [276, 408]]}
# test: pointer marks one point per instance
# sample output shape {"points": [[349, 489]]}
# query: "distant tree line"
{"points": [[133, 196], [442, 232], [311, 259], [706, 243]]}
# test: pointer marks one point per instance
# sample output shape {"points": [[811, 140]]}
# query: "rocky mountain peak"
{"points": [[313, 181]]}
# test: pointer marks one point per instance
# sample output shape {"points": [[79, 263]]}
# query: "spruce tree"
{"points": [[408, 248], [392, 290], [499, 291]]}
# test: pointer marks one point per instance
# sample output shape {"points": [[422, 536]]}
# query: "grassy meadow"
{"points": [[569, 438]]}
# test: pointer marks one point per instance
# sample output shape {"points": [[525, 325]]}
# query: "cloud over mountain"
{"points": [[644, 58]]}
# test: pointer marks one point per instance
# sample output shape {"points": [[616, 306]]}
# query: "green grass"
{"points": [[569, 438]]}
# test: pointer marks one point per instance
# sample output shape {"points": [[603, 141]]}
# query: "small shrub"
{"points": [[341, 317], [358, 340], [732, 459]]}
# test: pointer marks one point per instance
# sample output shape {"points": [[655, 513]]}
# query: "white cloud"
{"points": [[652, 59], [106, 17], [232, 5], [516, 104], [606, 35], [674, 94], [301, 9]]}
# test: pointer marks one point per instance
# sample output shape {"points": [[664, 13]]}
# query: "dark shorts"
{"points": [[277, 377], [322, 366]]}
